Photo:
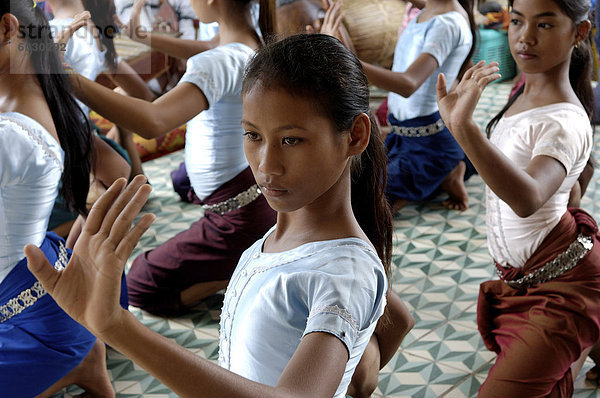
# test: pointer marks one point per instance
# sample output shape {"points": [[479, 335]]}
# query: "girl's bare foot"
{"points": [[454, 186]]}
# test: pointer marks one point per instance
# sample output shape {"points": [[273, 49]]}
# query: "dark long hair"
{"points": [[74, 135], [580, 68], [468, 6], [103, 12], [267, 19], [319, 68]]}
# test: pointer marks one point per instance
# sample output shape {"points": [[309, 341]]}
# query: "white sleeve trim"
{"points": [[341, 312]]}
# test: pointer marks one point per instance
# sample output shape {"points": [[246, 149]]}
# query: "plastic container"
{"points": [[492, 45]]}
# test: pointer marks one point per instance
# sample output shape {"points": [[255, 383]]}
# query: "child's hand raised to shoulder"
{"points": [[457, 106]]}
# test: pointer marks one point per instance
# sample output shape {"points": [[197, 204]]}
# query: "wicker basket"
{"points": [[492, 45], [373, 26]]}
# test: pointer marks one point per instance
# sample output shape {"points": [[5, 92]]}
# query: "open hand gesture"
{"points": [[62, 38], [332, 24], [457, 106], [88, 289]]}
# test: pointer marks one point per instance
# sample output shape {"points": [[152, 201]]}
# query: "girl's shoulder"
{"points": [[562, 112], [22, 135], [226, 50]]}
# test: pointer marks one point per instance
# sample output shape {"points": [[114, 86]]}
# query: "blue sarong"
{"points": [[417, 166], [42, 344]]}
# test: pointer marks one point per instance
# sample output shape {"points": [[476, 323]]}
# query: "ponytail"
{"points": [[369, 203], [580, 75], [267, 20], [319, 68], [102, 12], [468, 6], [69, 120]]}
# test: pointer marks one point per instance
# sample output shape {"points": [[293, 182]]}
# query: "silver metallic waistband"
{"points": [[562, 263], [238, 201], [28, 297], [421, 131]]}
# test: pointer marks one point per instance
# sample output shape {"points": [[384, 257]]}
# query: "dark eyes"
{"points": [[543, 25], [289, 141], [250, 136]]}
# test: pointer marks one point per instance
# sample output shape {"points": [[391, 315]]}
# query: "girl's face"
{"points": [[541, 36], [297, 156]]}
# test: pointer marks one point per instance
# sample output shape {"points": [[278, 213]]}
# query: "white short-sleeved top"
{"points": [[274, 299], [82, 53], [214, 151], [561, 131], [448, 38], [31, 164]]}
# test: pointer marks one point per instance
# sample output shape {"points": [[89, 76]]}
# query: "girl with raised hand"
{"points": [[199, 261], [543, 315], [305, 299], [422, 155], [43, 142]]}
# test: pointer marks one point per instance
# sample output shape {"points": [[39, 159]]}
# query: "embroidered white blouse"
{"points": [[274, 299], [31, 164], [561, 131]]}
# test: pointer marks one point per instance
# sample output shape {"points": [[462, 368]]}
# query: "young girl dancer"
{"points": [[305, 299], [422, 155], [198, 262], [543, 315], [421, 161], [42, 137]]}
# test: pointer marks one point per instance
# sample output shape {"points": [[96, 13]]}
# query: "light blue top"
{"points": [[31, 164], [214, 147], [447, 37], [274, 299]]}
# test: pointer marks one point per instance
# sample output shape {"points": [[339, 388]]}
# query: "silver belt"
{"points": [[28, 297], [238, 201], [422, 131], [562, 263]]}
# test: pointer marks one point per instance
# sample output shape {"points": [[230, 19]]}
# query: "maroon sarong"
{"points": [[538, 332], [208, 251]]}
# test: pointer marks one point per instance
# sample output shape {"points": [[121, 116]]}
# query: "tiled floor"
{"points": [[440, 259]]}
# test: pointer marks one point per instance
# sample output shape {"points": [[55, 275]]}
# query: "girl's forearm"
{"points": [[129, 80], [132, 113], [388, 80], [180, 48], [515, 186], [393, 328]]}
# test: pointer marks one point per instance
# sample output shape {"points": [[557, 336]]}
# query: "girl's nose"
{"points": [[270, 162], [528, 34]]}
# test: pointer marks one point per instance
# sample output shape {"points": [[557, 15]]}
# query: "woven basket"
{"points": [[373, 26]]}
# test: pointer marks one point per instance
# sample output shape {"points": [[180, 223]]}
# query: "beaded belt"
{"points": [[28, 297], [238, 201], [562, 263], [422, 131]]}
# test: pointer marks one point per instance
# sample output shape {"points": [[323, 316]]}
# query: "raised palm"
{"points": [[457, 106], [88, 289]]}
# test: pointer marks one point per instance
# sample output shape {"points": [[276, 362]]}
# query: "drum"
{"points": [[373, 27]]}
